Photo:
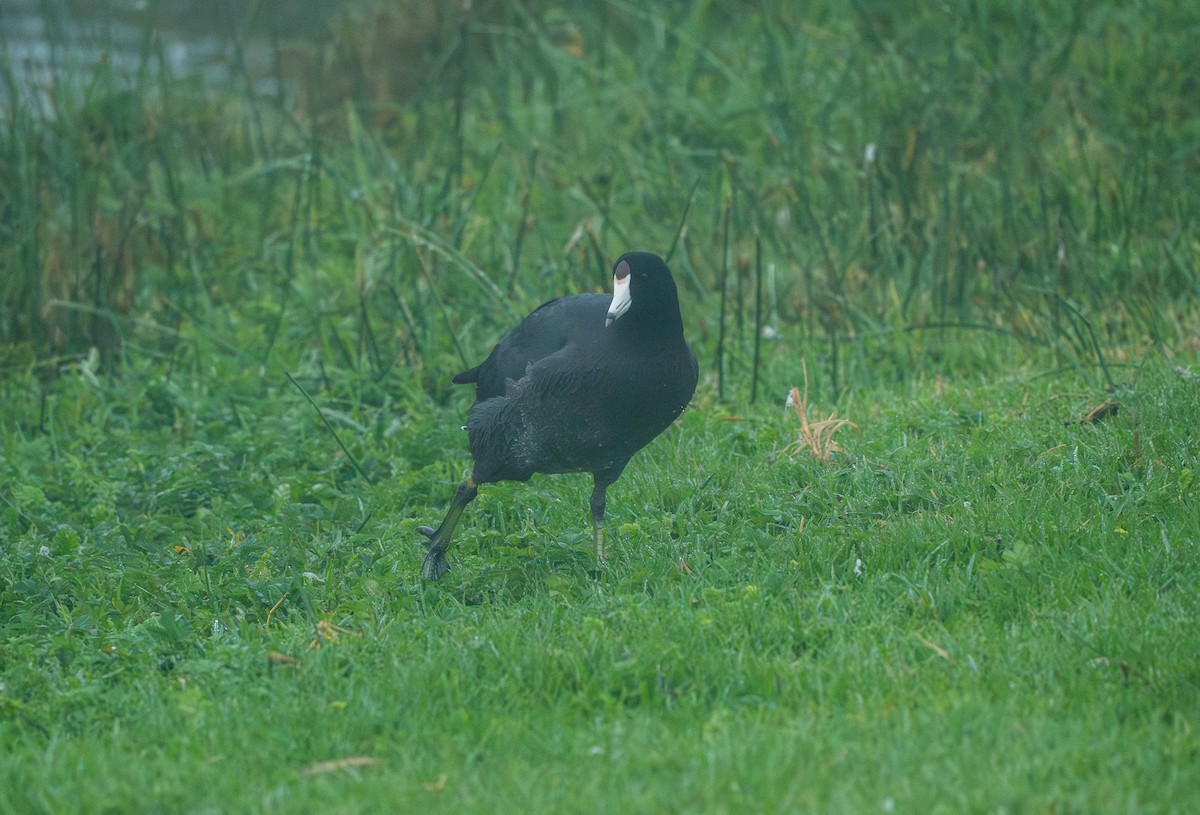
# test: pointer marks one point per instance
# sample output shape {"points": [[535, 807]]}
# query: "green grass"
{"points": [[981, 606], [978, 609]]}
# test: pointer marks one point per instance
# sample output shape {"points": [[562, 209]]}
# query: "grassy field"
{"points": [[229, 323]]}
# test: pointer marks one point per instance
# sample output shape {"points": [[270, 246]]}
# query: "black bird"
{"points": [[582, 384]]}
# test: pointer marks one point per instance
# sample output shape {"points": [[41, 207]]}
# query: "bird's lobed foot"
{"points": [[435, 564]]}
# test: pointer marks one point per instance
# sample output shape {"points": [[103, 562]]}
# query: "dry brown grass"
{"points": [[815, 437]]}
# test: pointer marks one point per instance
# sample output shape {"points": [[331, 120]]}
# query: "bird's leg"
{"points": [[597, 504], [602, 481], [439, 539]]}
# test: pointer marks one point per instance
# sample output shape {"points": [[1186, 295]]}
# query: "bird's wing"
{"points": [[542, 335]]}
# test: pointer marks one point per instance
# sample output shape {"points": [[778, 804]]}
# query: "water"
{"points": [[44, 43]]}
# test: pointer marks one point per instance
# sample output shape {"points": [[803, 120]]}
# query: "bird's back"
{"points": [[564, 393], [577, 319]]}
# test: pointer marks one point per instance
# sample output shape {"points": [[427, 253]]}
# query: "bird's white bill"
{"points": [[621, 298]]}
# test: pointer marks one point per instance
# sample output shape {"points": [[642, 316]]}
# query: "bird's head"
{"points": [[643, 277]]}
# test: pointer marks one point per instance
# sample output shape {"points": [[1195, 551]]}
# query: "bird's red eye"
{"points": [[622, 270]]}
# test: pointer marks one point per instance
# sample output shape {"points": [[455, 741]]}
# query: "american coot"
{"points": [[582, 384]]}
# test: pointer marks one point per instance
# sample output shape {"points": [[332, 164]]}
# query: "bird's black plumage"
{"points": [[580, 385]]}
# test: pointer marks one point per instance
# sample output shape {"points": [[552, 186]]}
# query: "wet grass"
{"points": [[972, 226], [977, 608]]}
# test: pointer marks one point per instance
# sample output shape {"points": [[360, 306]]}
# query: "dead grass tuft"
{"points": [[815, 437]]}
